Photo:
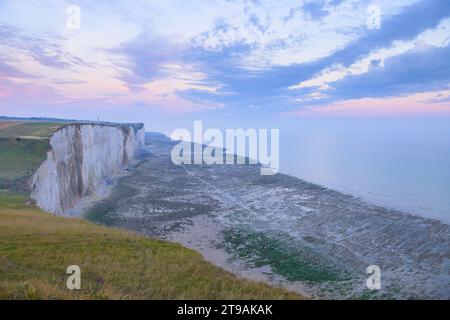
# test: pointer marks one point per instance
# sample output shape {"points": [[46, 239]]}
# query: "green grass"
{"points": [[12, 201], [23, 147], [20, 157], [31, 129], [36, 248]]}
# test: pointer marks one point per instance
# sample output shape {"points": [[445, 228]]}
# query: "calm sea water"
{"points": [[403, 165]]}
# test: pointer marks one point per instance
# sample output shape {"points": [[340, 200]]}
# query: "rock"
{"points": [[80, 157]]}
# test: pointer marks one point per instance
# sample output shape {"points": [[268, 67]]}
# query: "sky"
{"points": [[167, 63]]}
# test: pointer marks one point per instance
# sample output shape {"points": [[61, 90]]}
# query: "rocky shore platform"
{"points": [[280, 229]]}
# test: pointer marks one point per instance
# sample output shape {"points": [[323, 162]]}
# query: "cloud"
{"points": [[434, 38], [196, 55], [315, 9], [419, 70], [7, 71], [17, 92], [44, 49], [155, 74], [415, 104], [405, 25], [136, 72], [146, 57], [227, 46]]}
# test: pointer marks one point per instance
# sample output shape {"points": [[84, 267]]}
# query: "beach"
{"points": [[280, 229]]}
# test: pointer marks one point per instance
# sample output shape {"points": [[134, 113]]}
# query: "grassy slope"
{"points": [[36, 248], [23, 146], [19, 158], [29, 129]]}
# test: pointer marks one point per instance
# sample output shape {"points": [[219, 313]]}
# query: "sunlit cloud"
{"points": [[180, 56], [429, 103], [438, 37]]}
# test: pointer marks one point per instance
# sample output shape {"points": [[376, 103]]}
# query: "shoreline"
{"points": [[313, 229], [365, 196], [366, 200]]}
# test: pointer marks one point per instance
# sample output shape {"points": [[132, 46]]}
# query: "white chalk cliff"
{"points": [[81, 156]]}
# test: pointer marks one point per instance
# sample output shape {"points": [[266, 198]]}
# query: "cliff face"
{"points": [[80, 157]]}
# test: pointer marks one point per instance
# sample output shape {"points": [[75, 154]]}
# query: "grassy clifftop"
{"points": [[37, 247], [23, 146], [28, 129]]}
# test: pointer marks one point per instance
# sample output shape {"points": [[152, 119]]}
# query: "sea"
{"points": [[402, 164]]}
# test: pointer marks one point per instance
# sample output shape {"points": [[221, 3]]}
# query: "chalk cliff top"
{"points": [[43, 129], [24, 144]]}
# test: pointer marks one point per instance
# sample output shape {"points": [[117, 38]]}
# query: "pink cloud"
{"points": [[12, 92], [416, 104]]}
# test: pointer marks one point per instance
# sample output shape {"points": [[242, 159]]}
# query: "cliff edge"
{"points": [[80, 156]]}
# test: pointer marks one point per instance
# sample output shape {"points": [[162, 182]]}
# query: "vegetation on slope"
{"points": [[28, 129], [23, 147], [20, 157], [37, 247]]}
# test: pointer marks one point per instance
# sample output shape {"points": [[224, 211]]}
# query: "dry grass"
{"points": [[42, 129], [36, 248], [8, 123]]}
